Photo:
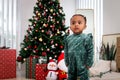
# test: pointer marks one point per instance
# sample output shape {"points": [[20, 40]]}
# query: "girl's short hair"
{"points": [[79, 15]]}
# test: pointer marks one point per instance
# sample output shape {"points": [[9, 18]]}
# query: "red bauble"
{"points": [[61, 47], [35, 46], [19, 58], [44, 54]]}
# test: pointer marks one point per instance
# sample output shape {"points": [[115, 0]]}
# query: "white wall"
{"points": [[69, 9], [25, 12], [111, 16]]}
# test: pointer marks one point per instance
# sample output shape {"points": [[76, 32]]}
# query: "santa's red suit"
{"points": [[62, 71]]}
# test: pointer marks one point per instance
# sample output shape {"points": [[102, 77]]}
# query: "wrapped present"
{"points": [[30, 66], [7, 63], [41, 70]]}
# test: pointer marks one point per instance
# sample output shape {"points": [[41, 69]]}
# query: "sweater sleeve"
{"points": [[66, 52], [90, 50]]}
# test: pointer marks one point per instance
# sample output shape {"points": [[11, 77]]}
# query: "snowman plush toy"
{"points": [[52, 70]]}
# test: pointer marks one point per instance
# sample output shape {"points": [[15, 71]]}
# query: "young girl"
{"points": [[78, 49]]}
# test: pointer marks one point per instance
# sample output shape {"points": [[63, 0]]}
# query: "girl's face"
{"points": [[77, 24]]}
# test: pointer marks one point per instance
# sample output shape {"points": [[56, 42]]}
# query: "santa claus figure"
{"points": [[62, 72], [52, 70]]}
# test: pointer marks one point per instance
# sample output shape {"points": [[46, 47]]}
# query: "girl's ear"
{"points": [[85, 26]]}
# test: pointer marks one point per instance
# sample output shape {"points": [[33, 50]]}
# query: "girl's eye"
{"points": [[73, 23], [79, 22]]}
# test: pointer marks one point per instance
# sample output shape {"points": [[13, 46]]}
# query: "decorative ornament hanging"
{"points": [[54, 14], [39, 14], [53, 46], [44, 53], [42, 49], [48, 49], [58, 32], [51, 35], [56, 44], [36, 12], [44, 43], [34, 51], [53, 20], [40, 5], [57, 22], [35, 46], [44, 25], [36, 30], [35, 37], [60, 10], [53, 52], [42, 31], [51, 10], [25, 49], [61, 47], [29, 46], [52, 42], [40, 39], [55, 56], [46, 10]]}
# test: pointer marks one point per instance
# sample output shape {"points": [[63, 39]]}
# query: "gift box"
{"points": [[41, 71], [7, 63], [30, 66]]}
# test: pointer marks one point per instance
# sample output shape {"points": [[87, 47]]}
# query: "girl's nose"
{"points": [[76, 24]]}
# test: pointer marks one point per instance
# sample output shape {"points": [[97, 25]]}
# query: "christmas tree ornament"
{"points": [[56, 44], [24, 59], [53, 20], [58, 32], [25, 49], [35, 46], [52, 41], [57, 22], [46, 10], [44, 43], [53, 52], [53, 46], [44, 53], [36, 30], [42, 30], [35, 37], [19, 58], [54, 14], [34, 51], [55, 56], [51, 35], [60, 10], [61, 47], [29, 46], [42, 49], [38, 14], [51, 10], [44, 25], [48, 49], [40, 39]]}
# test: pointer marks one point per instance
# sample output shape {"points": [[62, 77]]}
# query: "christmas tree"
{"points": [[46, 30]]}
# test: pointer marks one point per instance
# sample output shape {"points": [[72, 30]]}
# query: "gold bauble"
{"points": [[40, 39], [51, 10], [25, 49]]}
